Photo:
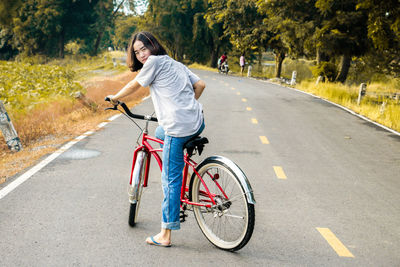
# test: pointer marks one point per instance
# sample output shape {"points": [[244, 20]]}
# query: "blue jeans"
{"points": [[171, 176]]}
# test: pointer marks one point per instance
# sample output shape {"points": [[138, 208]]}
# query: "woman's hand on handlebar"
{"points": [[111, 99]]}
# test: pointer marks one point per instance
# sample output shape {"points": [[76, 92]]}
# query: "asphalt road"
{"points": [[326, 183]]}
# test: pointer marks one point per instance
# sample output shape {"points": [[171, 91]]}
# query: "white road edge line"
{"points": [[335, 104], [18, 181]]}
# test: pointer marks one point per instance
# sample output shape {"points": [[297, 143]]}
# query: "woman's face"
{"points": [[141, 52]]}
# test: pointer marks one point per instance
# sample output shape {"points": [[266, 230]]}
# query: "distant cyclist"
{"points": [[222, 59]]}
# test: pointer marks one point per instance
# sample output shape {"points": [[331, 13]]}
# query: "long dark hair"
{"points": [[150, 42]]}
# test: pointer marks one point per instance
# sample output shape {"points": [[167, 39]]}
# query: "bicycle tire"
{"points": [[239, 215], [134, 207]]}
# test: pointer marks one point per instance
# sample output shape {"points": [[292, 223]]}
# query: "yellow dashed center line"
{"points": [[335, 243], [244, 99], [238, 93], [279, 172], [254, 120], [248, 108], [264, 140]]}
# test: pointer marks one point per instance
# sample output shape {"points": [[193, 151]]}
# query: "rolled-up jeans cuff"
{"points": [[171, 225]]}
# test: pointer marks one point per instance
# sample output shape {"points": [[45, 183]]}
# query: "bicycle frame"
{"points": [[150, 151]]}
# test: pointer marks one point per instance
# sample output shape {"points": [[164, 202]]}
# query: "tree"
{"points": [[240, 22], [208, 35], [36, 26], [271, 35], [8, 9], [44, 26], [180, 25], [343, 31], [383, 26], [172, 22], [125, 26], [106, 11]]}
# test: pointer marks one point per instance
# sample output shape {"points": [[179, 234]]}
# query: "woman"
{"points": [[242, 63], [174, 90]]}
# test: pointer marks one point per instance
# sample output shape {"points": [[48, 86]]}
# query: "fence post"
{"points": [[249, 71], [293, 81], [382, 108], [9, 133], [86, 101], [361, 92], [319, 79], [114, 60]]}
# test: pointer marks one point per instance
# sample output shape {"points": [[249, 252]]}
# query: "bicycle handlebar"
{"points": [[129, 113]]}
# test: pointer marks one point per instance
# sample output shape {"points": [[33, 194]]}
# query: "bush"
{"points": [[325, 69], [23, 85], [301, 66]]}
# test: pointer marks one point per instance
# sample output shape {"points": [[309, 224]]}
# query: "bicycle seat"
{"points": [[196, 142]]}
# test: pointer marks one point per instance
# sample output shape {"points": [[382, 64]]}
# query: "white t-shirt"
{"points": [[171, 89]]}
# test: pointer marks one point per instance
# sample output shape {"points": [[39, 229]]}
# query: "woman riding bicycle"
{"points": [[174, 90]]}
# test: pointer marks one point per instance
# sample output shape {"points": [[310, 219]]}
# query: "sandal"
{"points": [[155, 243]]}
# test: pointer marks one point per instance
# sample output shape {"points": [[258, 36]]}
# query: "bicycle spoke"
{"points": [[234, 216], [227, 222]]}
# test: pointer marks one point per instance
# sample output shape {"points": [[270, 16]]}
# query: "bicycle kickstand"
{"points": [[183, 214]]}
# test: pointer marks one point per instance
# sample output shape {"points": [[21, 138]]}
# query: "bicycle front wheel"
{"points": [[229, 223], [134, 207]]}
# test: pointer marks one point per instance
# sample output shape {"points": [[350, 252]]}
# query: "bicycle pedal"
{"points": [[182, 216]]}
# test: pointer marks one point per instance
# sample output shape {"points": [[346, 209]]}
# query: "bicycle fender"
{"points": [[241, 175], [133, 189]]}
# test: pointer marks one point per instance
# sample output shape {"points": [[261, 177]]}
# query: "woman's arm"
{"points": [[128, 89], [198, 88]]}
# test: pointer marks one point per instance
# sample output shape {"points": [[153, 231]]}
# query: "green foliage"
{"points": [[184, 30], [239, 19], [325, 69], [46, 26], [8, 9], [301, 66], [23, 85], [172, 22], [342, 32], [125, 26], [384, 31], [73, 47]]}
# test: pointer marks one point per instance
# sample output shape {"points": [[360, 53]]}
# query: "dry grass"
{"points": [[47, 127], [201, 67], [370, 107]]}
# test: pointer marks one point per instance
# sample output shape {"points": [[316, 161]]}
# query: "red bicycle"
{"points": [[218, 193]]}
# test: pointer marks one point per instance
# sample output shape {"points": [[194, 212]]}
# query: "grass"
{"points": [[46, 129], [370, 106], [45, 126], [201, 67]]}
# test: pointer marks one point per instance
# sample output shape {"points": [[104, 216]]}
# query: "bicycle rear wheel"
{"points": [[229, 224], [140, 163]]}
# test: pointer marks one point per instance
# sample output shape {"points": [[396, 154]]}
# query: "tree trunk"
{"points": [[61, 43], [343, 68], [97, 43], [321, 56], [214, 57], [259, 60], [179, 53], [279, 57]]}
